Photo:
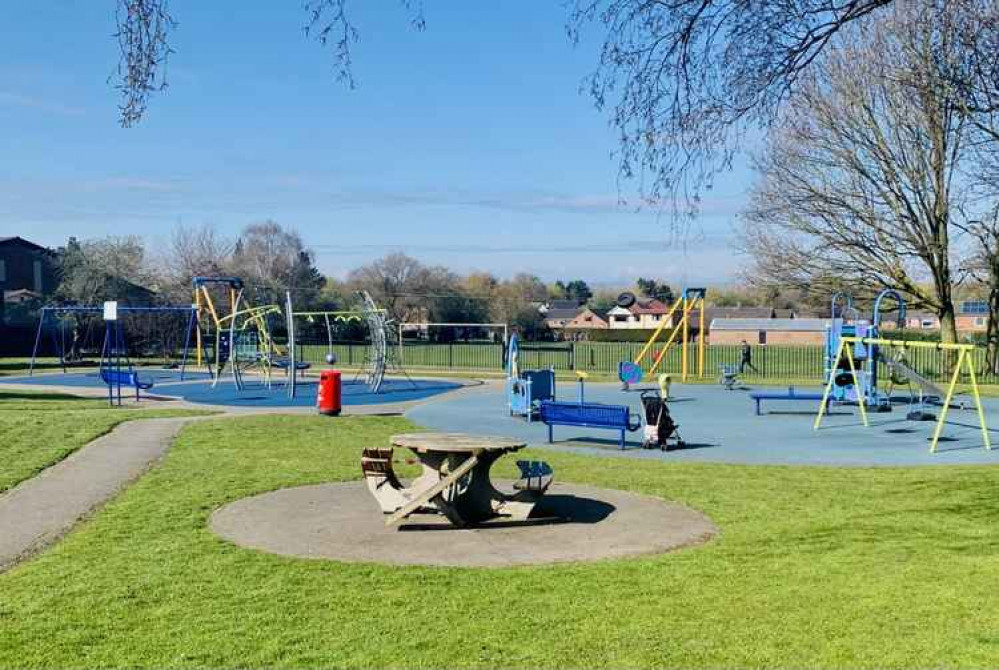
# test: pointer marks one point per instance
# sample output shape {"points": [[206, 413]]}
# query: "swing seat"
{"points": [[126, 378]]}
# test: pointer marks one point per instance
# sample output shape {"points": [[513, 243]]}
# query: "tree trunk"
{"points": [[948, 324]]}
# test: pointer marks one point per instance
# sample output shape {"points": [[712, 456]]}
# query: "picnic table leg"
{"points": [[622, 438], [551, 434]]}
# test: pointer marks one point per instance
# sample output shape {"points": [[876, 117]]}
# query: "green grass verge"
{"points": [[38, 429], [814, 567]]}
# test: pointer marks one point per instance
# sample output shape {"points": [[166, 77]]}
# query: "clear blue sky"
{"points": [[466, 145]]}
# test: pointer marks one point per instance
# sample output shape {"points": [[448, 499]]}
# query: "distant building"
{"points": [[558, 313], [20, 296], [25, 266], [972, 316], [643, 314], [768, 331], [587, 320]]}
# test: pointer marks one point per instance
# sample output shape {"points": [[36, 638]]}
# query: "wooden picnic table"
{"points": [[456, 479]]}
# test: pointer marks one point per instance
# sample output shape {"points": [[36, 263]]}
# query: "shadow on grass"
{"points": [[29, 395]]}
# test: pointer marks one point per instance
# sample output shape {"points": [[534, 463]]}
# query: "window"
{"points": [[927, 323], [974, 307], [620, 319], [980, 322], [762, 337]]}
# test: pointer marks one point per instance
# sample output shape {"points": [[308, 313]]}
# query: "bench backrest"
{"points": [[593, 414]]}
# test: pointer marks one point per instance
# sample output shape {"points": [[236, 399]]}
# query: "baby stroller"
{"points": [[660, 429]]}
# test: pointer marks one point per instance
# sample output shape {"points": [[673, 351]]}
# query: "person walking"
{"points": [[746, 359]]}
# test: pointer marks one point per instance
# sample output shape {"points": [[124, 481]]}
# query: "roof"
{"points": [[598, 314], [558, 314], [23, 242], [562, 304], [650, 306], [740, 313], [790, 325]]}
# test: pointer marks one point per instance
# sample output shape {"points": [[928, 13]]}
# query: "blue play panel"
{"points": [[196, 387], [721, 426]]}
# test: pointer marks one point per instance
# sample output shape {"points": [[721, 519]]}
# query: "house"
{"points": [[972, 316], [20, 296], [558, 313], [768, 331], [587, 320], [913, 321], [643, 314], [25, 266]]}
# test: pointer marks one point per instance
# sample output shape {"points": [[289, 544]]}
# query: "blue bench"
{"points": [[126, 378], [589, 415], [789, 394]]}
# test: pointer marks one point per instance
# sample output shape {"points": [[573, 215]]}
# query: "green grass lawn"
{"points": [[39, 429], [813, 567]]}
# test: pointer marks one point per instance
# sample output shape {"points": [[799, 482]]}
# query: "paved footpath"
{"points": [[40, 510]]}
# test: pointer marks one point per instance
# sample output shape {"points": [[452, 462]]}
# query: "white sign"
{"points": [[111, 310]]}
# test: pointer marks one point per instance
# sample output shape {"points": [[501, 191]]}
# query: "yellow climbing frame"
{"points": [[964, 360], [685, 305]]}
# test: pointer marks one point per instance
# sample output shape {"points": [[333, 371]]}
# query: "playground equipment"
{"points": [[864, 388], [243, 343], [632, 372], [209, 319], [380, 358], [845, 355], [88, 317], [329, 319], [845, 324], [528, 389]]}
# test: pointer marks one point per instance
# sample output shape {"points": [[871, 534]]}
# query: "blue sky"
{"points": [[466, 145]]}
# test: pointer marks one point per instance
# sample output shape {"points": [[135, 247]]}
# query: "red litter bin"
{"points": [[328, 400]]}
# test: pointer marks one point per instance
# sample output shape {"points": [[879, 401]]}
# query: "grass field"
{"points": [[814, 567], [39, 429]]}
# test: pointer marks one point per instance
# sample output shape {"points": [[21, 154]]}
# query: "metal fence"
{"points": [[800, 363]]}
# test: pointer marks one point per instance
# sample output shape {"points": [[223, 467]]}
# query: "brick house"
{"points": [[25, 266], [972, 316], [558, 313], [587, 320], [768, 331]]}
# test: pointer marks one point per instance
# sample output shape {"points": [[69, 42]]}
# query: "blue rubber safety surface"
{"points": [[196, 387], [720, 426]]}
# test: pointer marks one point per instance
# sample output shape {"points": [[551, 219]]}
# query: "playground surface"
{"points": [[720, 426], [196, 387]]}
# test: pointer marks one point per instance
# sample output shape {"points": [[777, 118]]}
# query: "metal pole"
{"points": [[191, 323], [38, 337], [293, 379]]}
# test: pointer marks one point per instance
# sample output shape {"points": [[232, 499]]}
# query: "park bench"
{"points": [[789, 394], [126, 378], [588, 415]]}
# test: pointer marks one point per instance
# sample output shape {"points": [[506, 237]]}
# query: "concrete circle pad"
{"points": [[343, 522]]}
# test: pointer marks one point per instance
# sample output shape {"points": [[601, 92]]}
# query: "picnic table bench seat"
{"points": [[535, 476]]}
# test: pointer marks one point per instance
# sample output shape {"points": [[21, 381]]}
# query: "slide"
{"points": [[928, 388]]}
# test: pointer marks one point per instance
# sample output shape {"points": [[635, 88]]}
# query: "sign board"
{"points": [[111, 310]]}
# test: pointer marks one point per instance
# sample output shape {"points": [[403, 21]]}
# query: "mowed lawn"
{"points": [[814, 567], [39, 429]]}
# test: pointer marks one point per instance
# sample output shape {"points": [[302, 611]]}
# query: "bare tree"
{"points": [[858, 184], [686, 79], [197, 251], [144, 30]]}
